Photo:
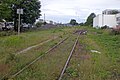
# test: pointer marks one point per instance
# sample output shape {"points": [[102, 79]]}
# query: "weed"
{"points": [[72, 72], [10, 58], [7, 33], [60, 36], [103, 74]]}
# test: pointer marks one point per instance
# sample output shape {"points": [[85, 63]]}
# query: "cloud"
{"points": [[63, 10]]}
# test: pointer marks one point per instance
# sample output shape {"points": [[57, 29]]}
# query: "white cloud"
{"points": [[63, 10]]}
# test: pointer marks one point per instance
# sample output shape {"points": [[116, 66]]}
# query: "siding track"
{"points": [[63, 68], [31, 63]]}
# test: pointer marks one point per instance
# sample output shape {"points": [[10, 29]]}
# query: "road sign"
{"points": [[19, 11]]}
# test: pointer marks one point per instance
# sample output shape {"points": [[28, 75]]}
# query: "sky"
{"points": [[63, 11]]}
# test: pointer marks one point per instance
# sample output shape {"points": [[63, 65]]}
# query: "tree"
{"points": [[31, 11], [81, 24], [39, 24], [5, 10], [89, 21], [73, 22]]}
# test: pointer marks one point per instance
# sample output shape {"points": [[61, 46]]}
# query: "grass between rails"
{"points": [[73, 71], [84, 65], [13, 63], [19, 61], [14, 44], [81, 66], [50, 66]]}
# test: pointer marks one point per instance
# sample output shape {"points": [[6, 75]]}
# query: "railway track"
{"points": [[7, 76], [11, 76], [70, 56], [79, 32], [31, 47]]}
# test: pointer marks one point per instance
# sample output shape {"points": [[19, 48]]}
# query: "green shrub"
{"points": [[10, 58], [39, 24], [72, 72], [7, 33], [105, 27]]}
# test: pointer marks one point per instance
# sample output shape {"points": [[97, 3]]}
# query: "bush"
{"points": [[72, 72], [11, 57], [39, 24], [116, 31], [105, 27], [7, 33]]}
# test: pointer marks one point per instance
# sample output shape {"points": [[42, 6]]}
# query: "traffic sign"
{"points": [[19, 11]]}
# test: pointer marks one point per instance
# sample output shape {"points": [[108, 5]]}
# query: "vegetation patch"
{"points": [[72, 72]]}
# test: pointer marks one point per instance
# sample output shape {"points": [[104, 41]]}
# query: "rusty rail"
{"points": [[31, 63], [68, 60]]}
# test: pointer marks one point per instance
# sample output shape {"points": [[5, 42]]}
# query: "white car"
{"points": [[7, 25], [2, 25]]}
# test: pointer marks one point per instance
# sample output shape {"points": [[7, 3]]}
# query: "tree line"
{"points": [[89, 21]]}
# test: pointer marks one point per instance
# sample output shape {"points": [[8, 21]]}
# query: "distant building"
{"points": [[41, 20], [110, 11], [106, 19]]}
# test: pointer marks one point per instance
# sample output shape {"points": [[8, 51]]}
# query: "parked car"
{"points": [[8, 26], [25, 27], [2, 25]]}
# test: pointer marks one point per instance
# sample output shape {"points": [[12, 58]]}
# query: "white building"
{"points": [[118, 19], [106, 19]]}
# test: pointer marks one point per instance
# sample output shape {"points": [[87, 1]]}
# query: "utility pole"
{"points": [[44, 17], [19, 25], [102, 19]]}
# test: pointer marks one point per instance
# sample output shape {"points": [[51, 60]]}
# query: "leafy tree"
{"points": [[73, 22], [89, 21], [5, 10], [81, 24], [39, 24], [31, 10]]}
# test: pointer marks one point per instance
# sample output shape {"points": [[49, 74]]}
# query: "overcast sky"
{"points": [[64, 10]]}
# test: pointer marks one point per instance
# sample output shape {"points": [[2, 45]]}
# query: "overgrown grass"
{"points": [[12, 44], [105, 65], [7, 33], [111, 48], [16, 62], [85, 65], [50, 66]]}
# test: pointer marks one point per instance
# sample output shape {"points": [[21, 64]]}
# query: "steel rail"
{"points": [[31, 63], [68, 60]]}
